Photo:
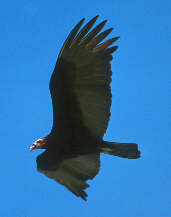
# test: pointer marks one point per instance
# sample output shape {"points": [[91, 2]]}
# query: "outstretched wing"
{"points": [[72, 173], [80, 83]]}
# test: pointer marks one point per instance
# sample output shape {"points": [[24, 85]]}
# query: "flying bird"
{"points": [[81, 98]]}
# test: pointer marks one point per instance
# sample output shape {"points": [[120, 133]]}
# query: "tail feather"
{"points": [[125, 150]]}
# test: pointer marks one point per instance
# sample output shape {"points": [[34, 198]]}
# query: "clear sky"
{"points": [[31, 35]]}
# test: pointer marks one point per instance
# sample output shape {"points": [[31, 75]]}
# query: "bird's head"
{"points": [[39, 144]]}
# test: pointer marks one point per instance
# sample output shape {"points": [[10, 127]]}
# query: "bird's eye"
{"points": [[38, 141]]}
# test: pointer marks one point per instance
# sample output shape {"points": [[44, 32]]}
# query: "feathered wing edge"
{"points": [[73, 172], [90, 40]]}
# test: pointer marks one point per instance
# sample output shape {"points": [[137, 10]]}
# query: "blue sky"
{"points": [[32, 33]]}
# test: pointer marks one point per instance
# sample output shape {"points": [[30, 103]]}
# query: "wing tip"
{"points": [[96, 17], [82, 20]]}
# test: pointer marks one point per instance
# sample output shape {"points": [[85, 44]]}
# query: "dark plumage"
{"points": [[81, 97]]}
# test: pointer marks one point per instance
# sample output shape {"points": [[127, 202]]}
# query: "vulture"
{"points": [[81, 97]]}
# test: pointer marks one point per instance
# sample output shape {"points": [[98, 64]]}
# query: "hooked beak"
{"points": [[32, 147]]}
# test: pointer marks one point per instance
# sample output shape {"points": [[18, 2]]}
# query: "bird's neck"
{"points": [[48, 142]]}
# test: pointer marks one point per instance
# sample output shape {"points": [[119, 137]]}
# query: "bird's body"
{"points": [[81, 97]]}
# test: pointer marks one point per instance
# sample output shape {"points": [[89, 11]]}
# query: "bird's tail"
{"points": [[125, 150]]}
